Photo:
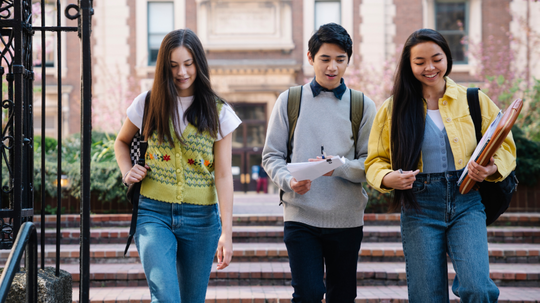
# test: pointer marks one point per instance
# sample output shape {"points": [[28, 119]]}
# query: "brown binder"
{"points": [[501, 132]]}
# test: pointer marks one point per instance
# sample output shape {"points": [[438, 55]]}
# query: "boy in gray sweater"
{"points": [[324, 217]]}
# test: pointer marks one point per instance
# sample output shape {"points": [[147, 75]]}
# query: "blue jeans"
{"points": [[177, 244], [447, 223], [309, 249]]}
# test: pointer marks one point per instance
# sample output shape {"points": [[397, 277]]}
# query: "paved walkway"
{"points": [[257, 204], [282, 294]]}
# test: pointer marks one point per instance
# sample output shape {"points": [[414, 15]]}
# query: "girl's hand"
{"points": [[136, 174], [224, 251], [479, 173], [400, 180]]}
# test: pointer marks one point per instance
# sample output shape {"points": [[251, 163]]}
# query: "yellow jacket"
{"points": [[459, 126]]}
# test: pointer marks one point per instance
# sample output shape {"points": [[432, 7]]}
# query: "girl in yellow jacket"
{"points": [[420, 142]]}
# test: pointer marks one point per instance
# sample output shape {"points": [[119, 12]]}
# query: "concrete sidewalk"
{"points": [[256, 204]]}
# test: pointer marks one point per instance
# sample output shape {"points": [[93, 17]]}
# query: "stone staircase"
{"points": [[260, 271]]}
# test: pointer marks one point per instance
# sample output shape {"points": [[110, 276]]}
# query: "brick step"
{"points": [[275, 252], [100, 220], [279, 273], [274, 234], [119, 235], [283, 294], [507, 219]]}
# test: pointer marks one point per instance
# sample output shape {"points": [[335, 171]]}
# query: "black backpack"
{"points": [[496, 197]]}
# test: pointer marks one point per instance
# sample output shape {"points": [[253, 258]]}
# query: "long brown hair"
{"points": [[408, 114], [163, 107]]}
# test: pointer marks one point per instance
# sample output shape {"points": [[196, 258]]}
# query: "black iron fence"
{"points": [[16, 148], [17, 144], [26, 239]]}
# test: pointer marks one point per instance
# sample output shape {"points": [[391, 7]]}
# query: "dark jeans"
{"points": [[310, 249]]}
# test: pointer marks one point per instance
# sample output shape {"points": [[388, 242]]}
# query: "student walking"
{"points": [[324, 217], [262, 181], [421, 140], [188, 129]]}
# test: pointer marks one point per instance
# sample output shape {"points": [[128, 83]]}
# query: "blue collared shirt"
{"points": [[316, 88]]}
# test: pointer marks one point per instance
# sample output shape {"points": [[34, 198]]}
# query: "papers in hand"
{"points": [[481, 145], [312, 170]]}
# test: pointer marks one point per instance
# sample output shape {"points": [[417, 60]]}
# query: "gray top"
{"points": [[337, 201], [437, 155]]}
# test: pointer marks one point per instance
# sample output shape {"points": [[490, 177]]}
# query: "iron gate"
{"points": [[17, 144]]}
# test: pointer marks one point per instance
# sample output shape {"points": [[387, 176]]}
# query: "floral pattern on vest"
{"points": [[183, 173]]}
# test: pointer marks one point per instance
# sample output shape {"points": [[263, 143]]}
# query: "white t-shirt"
{"points": [[435, 116], [228, 120]]}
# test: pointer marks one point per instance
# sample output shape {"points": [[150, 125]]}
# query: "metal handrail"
{"points": [[27, 235]]}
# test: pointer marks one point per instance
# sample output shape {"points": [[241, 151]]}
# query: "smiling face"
{"points": [[329, 63], [429, 64], [184, 71]]}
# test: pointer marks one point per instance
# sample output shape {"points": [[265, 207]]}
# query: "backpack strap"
{"points": [[146, 102], [356, 114], [293, 111], [474, 109], [137, 187]]}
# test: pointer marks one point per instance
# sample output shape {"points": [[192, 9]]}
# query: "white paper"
{"points": [[481, 145], [312, 170]]}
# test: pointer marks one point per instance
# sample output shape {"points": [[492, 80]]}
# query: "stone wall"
{"points": [[51, 289]]}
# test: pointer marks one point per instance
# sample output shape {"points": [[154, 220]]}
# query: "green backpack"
{"points": [[293, 110]]}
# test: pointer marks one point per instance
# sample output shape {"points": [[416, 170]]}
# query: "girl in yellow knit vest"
{"points": [[188, 170]]}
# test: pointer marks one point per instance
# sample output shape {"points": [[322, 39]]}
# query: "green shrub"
{"points": [[50, 143], [105, 176], [377, 202], [530, 115], [52, 210], [528, 158]]}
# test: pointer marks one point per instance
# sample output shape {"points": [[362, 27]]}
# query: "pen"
{"points": [[322, 152], [401, 171]]}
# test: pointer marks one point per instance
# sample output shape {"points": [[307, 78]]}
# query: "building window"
{"points": [[160, 23], [452, 21], [327, 11], [50, 37]]}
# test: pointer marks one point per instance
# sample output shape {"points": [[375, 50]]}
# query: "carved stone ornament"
{"points": [[245, 24]]}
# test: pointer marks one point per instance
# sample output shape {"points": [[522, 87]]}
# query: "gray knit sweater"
{"points": [[337, 201]]}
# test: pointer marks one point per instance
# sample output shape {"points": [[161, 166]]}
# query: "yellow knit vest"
{"points": [[183, 173]]}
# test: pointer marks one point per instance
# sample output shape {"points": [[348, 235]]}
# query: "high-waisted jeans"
{"points": [[447, 223], [177, 244]]}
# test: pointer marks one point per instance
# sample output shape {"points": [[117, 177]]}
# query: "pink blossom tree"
{"points": [[109, 108], [37, 20], [375, 81], [504, 69]]}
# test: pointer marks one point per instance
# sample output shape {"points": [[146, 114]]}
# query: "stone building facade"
{"points": [[257, 49]]}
